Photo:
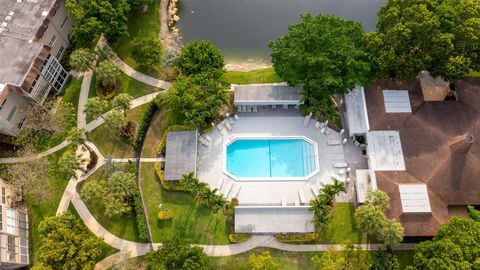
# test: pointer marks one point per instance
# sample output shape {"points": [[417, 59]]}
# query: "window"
{"points": [[22, 224], [4, 195], [1, 218], [20, 124], [10, 220], [64, 21], [12, 113], [23, 250], [52, 41], [60, 52], [11, 247]]}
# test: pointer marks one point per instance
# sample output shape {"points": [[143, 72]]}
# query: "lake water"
{"points": [[241, 29]]}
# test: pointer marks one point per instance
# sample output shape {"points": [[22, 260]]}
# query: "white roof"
{"points": [[397, 101], [365, 181], [384, 150], [414, 198], [357, 116], [273, 219]]}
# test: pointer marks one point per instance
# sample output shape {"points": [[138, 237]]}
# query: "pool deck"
{"points": [[271, 192]]}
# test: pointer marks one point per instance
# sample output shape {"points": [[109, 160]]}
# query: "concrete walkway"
{"points": [[36, 156], [82, 99], [133, 104], [139, 76], [124, 160]]}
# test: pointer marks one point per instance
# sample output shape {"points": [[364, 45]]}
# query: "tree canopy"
{"points": [[66, 244], [199, 57], [147, 51], [93, 18], [263, 261], [324, 53], [199, 98], [350, 258], [176, 253], [439, 36]]}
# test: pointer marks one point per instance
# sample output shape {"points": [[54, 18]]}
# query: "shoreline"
{"points": [[247, 65]]}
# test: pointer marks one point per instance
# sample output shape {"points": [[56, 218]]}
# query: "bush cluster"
{"points": [[165, 214], [145, 124], [141, 226], [297, 238], [170, 185], [238, 237], [161, 145]]}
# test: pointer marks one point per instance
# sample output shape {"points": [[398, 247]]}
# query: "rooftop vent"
{"points": [[11, 13], [8, 18], [44, 13]]}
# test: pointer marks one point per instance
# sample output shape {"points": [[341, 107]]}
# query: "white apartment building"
{"points": [[13, 232], [33, 38]]}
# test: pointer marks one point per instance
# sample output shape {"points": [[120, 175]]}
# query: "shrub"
{"points": [[141, 226], [165, 214], [238, 237], [145, 124], [297, 238], [168, 185], [161, 145]]}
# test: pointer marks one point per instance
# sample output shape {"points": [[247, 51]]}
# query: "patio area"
{"points": [[265, 123]]}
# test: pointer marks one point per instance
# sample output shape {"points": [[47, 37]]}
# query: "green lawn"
{"points": [[139, 24], [124, 226], [39, 208], [128, 85], [341, 228], [72, 92], [162, 119], [266, 75], [197, 223], [286, 259], [109, 145]]}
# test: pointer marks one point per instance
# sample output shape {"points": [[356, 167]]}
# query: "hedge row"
{"points": [[161, 145], [145, 124], [238, 237], [297, 238], [141, 226], [168, 185]]}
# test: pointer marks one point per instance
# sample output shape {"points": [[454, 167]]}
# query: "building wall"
{"points": [[59, 26], [13, 232], [21, 104]]}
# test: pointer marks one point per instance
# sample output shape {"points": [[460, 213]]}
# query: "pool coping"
{"points": [[233, 138]]}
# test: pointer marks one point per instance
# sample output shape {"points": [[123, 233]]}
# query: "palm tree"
{"points": [[197, 188], [188, 180], [339, 186], [330, 191], [207, 196], [218, 203]]}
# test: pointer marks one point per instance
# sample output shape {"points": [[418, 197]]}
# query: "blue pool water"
{"points": [[252, 158]]}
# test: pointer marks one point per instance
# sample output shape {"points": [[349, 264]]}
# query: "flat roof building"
{"points": [[180, 154], [33, 38], [263, 94]]}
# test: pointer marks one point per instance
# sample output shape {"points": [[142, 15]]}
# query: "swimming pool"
{"points": [[271, 158]]}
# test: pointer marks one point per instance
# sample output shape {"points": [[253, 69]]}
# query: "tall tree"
{"points": [[176, 253], [67, 244], [370, 219], [147, 51], [122, 101], [107, 75], [199, 98], [384, 261], [93, 18], [199, 57], [92, 191], [438, 36], [349, 258], [323, 53], [263, 261], [77, 136], [115, 120], [69, 162], [83, 59], [378, 198], [392, 233], [95, 107]]}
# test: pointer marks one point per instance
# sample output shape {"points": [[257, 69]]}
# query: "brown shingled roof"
{"points": [[436, 150]]}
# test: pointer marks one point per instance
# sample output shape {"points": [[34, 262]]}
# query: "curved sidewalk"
{"points": [[36, 156], [138, 75]]}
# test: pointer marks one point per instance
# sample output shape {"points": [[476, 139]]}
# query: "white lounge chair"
{"points": [[306, 121], [236, 117], [338, 177], [209, 139], [314, 190], [340, 165], [285, 106], [317, 124], [301, 196], [284, 202], [334, 142], [323, 130], [274, 106], [297, 107], [255, 109], [220, 183], [235, 191], [227, 190], [204, 141], [297, 203], [249, 108], [227, 125]]}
